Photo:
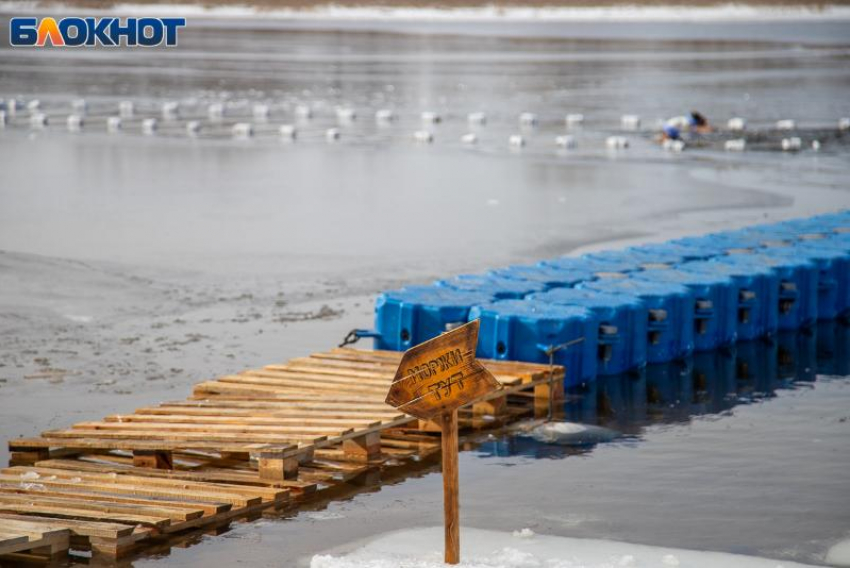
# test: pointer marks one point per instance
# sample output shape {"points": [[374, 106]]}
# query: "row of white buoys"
{"points": [[423, 136], [566, 142], [431, 117], [384, 116], [149, 126], [792, 144], [673, 145], [38, 120], [528, 119], [478, 118], [617, 142], [735, 145], [736, 124], [170, 110], [346, 114], [516, 141], [573, 120], [75, 122], [242, 130], [288, 132]]}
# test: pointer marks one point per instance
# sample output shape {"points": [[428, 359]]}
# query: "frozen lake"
{"points": [[133, 265]]}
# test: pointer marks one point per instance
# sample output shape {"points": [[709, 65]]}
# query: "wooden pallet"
{"points": [[23, 538], [240, 444]]}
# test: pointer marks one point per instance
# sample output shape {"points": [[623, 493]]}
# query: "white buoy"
{"points": [[113, 123], [261, 111], [126, 109], [528, 119], [345, 114], [34, 105], [2, 118], [170, 110], [844, 123], [423, 136], [384, 115], [565, 141], [288, 132], [787, 124], [617, 142], [630, 122], [469, 139], [431, 117], [38, 120], [673, 145], [332, 134], [736, 145], [477, 118], [736, 124], [792, 144], [303, 112], [149, 126], [12, 107], [215, 111], [516, 141], [193, 127], [80, 105], [75, 122], [573, 120], [816, 145], [242, 130]]}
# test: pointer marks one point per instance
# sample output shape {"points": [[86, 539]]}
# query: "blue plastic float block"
{"points": [[670, 321], [548, 276], [673, 253], [407, 317], [523, 330], [622, 326], [797, 281], [594, 265], [630, 260], [757, 291], [833, 261], [499, 287], [706, 243], [716, 304]]}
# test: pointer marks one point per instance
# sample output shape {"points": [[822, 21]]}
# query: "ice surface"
{"points": [[422, 548], [839, 554]]}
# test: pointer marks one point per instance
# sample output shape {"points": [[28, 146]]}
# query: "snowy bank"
{"points": [[422, 548]]}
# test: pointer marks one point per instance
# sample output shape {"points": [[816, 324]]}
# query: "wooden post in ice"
{"points": [[434, 379], [451, 509]]}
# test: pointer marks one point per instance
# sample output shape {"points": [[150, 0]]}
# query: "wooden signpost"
{"points": [[433, 380]]}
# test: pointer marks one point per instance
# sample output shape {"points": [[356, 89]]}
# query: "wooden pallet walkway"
{"points": [[243, 443]]}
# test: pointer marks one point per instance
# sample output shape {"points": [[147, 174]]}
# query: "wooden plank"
{"points": [[107, 530], [207, 507], [142, 444], [83, 514], [104, 506]]}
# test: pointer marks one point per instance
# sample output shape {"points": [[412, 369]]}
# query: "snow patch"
{"points": [[422, 548], [839, 554]]}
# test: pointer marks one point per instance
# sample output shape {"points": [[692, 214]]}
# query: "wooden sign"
{"points": [[433, 380], [441, 374]]}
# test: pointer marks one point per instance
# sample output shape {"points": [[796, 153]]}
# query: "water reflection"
{"points": [[705, 384]]}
